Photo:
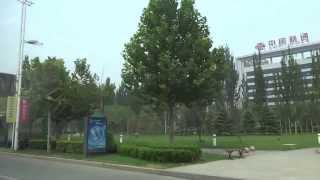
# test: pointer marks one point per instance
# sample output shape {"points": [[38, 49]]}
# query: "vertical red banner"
{"points": [[24, 111]]}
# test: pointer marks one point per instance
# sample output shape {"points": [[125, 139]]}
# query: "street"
{"points": [[18, 168], [25, 168]]}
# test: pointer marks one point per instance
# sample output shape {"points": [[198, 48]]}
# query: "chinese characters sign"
{"points": [[11, 109], [284, 42]]}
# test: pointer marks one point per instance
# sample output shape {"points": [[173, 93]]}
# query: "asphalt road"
{"points": [[13, 167], [19, 168]]}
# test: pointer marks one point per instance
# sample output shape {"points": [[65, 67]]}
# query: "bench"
{"points": [[240, 151]]}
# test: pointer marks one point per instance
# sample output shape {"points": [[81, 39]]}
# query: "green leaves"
{"points": [[169, 57]]}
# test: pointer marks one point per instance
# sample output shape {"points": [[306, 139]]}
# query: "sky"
{"points": [[98, 29]]}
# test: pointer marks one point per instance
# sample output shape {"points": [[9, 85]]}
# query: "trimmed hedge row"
{"points": [[192, 148], [160, 154], [69, 146], [40, 144]]}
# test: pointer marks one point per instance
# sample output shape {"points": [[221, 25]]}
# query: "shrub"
{"points": [[70, 146], [161, 154], [40, 144], [111, 144]]}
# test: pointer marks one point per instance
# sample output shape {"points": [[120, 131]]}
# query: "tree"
{"points": [[168, 59], [231, 90], [314, 104], [290, 89], [260, 101], [249, 123], [270, 123], [108, 92], [83, 95]]}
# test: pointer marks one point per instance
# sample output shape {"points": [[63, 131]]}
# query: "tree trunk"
{"points": [[127, 122], [289, 126], [295, 128], [49, 131], [311, 124], [171, 125], [280, 124]]}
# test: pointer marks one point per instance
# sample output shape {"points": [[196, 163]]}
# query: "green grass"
{"points": [[119, 159], [261, 142]]}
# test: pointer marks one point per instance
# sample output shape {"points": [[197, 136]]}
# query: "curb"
{"points": [[120, 167]]}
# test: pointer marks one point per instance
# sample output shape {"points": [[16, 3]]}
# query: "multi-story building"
{"points": [[271, 64]]}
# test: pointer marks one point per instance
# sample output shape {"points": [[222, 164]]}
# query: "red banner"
{"points": [[24, 111]]}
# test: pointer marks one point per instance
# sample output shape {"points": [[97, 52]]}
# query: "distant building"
{"points": [[271, 63], [7, 84]]}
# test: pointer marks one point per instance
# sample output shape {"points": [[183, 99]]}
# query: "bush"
{"points": [[70, 146], [111, 144], [40, 144], [161, 154]]}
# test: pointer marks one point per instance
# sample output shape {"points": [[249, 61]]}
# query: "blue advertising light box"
{"points": [[97, 135]]}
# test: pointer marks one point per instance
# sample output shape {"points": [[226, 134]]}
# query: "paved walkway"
{"points": [[301, 164]]}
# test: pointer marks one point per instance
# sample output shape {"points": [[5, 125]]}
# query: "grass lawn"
{"points": [[261, 142], [119, 159]]}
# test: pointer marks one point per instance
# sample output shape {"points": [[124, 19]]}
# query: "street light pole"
{"points": [[24, 4]]}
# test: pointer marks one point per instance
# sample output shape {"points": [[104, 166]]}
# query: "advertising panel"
{"points": [[11, 109], [96, 135], [24, 111]]}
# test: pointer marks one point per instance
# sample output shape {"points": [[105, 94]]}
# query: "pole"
{"points": [[49, 131], [24, 4], [12, 135], [18, 83]]}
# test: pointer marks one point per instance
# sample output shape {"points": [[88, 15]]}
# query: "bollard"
{"points": [[69, 137], [214, 140], [121, 138], [318, 138]]}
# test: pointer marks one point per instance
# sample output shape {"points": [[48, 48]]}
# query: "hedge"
{"points": [[192, 148], [111, 146], [164, 154], [70, 146], [40, 144]]}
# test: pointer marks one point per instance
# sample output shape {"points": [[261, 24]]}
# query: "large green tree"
{"points": [[168, 59]]}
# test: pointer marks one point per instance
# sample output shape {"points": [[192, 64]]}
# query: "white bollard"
{"points": [[318, 138], [214, 140], [121, 138]]}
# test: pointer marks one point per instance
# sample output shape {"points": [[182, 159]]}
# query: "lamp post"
{"points": [[24, 4]]}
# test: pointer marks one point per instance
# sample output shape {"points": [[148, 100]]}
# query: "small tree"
{"points": [[249, 123]]}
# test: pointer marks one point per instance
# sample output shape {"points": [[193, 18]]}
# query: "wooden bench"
{"points": [[240, 151]]}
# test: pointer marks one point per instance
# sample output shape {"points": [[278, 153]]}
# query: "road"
{"points": [[25, 168], [18, 168]]}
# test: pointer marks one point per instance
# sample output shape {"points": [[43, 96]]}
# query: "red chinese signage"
{"points": [[282, 42]]}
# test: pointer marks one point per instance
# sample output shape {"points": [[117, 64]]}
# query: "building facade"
{"points": [[271, 64]]}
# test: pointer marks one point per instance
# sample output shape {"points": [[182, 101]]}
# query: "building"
{"points": [[7, 84], [271, 63]]}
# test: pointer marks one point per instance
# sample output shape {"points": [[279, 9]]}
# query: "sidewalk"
{"points": [[300, 164]]}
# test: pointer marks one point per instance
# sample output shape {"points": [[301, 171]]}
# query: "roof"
{"points": [[282, 51]]}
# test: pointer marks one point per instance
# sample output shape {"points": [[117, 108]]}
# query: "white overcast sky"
{"points": [[98, 29]]}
